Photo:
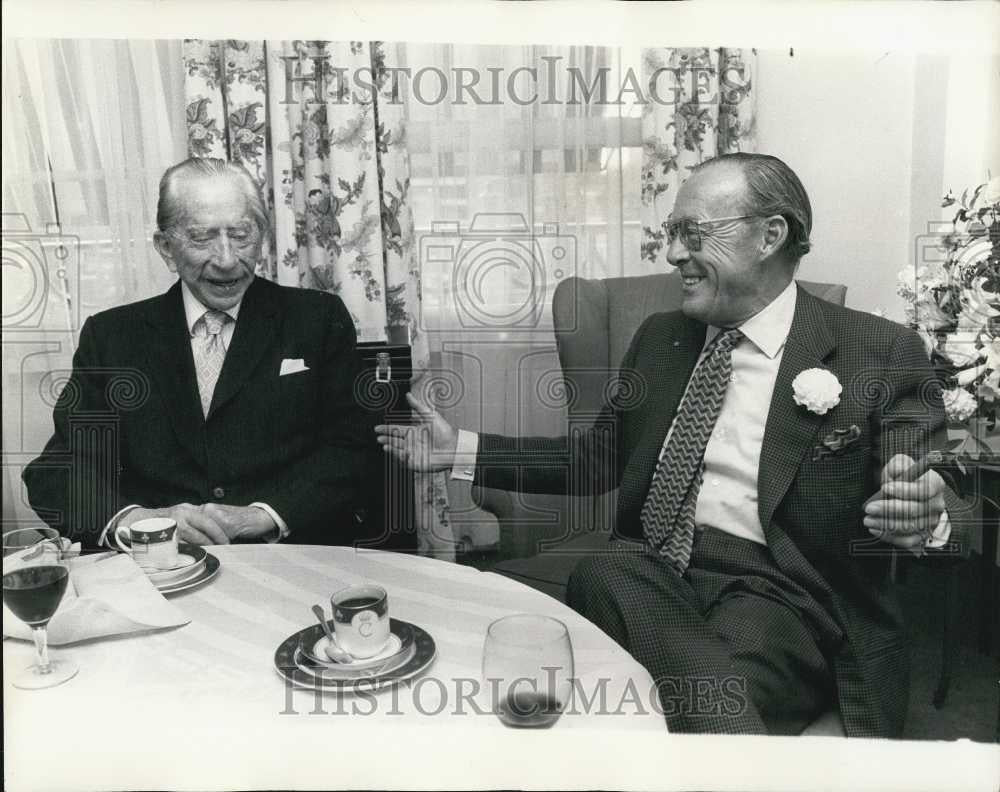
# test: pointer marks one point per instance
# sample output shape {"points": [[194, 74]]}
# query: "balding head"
{"points": [[170, 211], [769, 188]]}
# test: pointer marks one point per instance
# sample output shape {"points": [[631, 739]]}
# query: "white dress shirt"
{"points": [[728, 496], [727, 499], [193, 311]]}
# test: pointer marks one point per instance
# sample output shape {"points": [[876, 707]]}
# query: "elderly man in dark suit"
{"points": [[746, 572], [230, 398]]}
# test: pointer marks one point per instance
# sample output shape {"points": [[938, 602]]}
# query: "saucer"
{"points": [[190, 560], [345, 672], [317, 653], [301, 672], [202, 574]]}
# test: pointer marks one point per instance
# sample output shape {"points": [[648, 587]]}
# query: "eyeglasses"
{"points": [[241, 236], [691, 231]]}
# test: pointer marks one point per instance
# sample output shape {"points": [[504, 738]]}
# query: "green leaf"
{"points": [[975, 196]]}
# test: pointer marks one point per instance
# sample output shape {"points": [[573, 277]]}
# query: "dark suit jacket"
{"points": [[129, 426], [811, 510]]}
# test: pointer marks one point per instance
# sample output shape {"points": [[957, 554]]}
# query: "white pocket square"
{"points": [[292, 366]]}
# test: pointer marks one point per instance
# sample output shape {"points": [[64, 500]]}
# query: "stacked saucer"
{"points": [[194, 566]]}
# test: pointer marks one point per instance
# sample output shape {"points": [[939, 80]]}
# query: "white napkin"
{"points": [[108, 594]]}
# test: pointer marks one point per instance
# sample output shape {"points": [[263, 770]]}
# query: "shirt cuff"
{"points": [[112, 525], [283, 531], [939, 536], [463, 467]]}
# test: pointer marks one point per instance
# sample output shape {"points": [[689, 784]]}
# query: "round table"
{"points": [[202, 704]]}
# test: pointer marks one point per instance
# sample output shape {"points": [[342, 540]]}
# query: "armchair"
{"points": [[594, 321]]}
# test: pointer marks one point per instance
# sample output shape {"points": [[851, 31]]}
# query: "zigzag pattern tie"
{"points": [[209, 354], [667, 515]]}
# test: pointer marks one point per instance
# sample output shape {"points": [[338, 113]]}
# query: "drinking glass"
{"points": [[22, 539], [528, 669], [34, 582]]}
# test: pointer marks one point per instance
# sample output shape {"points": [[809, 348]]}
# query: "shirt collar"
{"points": [[768, 329], [194, 309]]}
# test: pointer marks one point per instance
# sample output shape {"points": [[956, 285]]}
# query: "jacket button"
{"points": [[218, 493]]}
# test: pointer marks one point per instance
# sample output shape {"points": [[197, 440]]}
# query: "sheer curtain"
{"points": [[89, 127], [510, 197]]}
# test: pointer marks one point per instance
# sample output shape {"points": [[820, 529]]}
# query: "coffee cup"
{"points": [[361, 620], [153, 542]]}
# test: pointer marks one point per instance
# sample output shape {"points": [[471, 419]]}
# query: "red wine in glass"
{"points": [[33, 594], [528, 709], [528, 667]]}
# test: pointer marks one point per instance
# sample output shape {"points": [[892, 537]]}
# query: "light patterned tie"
{"points": [[209, 354], [667, 516]]}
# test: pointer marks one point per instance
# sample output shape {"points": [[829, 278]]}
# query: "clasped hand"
{"points": [[907, 513], [210, 523]]}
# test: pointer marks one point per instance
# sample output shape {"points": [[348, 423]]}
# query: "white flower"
{"points": [[933, 276], [928, 315], [991, 192], [989, 388], [929, 339], [817, 389], [990, 351], [918, 279], [906, 280], [967, 376], [976, 306], [959, 404], [960, 348]]}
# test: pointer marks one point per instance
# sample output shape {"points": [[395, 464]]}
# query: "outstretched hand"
{"points": [[428, 445]]}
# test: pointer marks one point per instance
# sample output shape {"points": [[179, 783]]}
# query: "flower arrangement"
{"points": [[954, 303]]}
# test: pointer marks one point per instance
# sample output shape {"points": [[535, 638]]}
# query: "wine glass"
{"points": [[23, 539], [528, 668], [35, 577]]}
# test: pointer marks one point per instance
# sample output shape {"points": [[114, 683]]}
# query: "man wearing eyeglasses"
{"points": [[746, 572], [242, 424]]}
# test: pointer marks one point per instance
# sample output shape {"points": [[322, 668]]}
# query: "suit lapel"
{"points": [[171, 365], [678, 353], [791, 429], [255, 332]]}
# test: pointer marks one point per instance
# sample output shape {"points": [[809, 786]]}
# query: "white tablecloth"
{"points": [[201, 706], [211, 685]]}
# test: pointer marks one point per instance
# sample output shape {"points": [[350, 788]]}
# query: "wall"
{"points": [[877, 139], [844, 124]]}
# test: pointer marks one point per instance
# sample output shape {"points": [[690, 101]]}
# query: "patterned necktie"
{"points": [[667, 516], [209, 354]]}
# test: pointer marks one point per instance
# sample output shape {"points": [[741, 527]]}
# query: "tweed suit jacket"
{"points": [[811, 508], [129, 426]]}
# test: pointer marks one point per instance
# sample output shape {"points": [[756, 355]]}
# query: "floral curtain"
{"points": [[320, 125], [705, 107]]}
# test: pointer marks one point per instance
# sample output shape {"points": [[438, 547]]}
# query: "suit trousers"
{"points": [[733, 645]]}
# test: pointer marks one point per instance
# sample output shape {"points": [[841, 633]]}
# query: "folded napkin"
{"points": [[108, 594]]}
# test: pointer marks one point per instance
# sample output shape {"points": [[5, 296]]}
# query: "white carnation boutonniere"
{"points": [[816, 389]]}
